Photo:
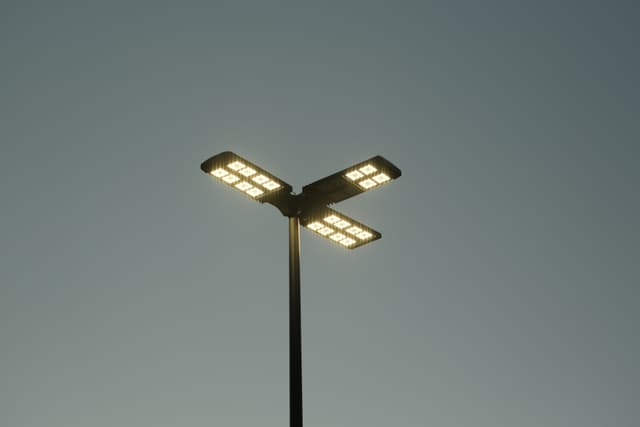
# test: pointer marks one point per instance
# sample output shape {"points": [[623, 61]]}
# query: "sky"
{"points": [[137, 291]]}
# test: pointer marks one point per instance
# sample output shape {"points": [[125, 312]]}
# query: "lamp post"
{"points": [[311, 209]]}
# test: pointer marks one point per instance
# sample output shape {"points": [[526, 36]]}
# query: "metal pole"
{"points": [[295, 330]]}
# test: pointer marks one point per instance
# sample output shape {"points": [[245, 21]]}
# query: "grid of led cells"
{"points": [[245, 179], [367, 176], [340, 230]]}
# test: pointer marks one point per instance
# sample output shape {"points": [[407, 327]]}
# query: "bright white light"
{"points": [[381, 178], [315, 226], [347, 242], [254, 192], [244, 186], [331, 219], [247, 171], [354, 175], [354, 230], [368, 169], [236, 166], [367, 184], [219, 173], [342, 224], [260, 179], [325, 230], [364, 235], [337, 237], [231, 178], [271, 185]]}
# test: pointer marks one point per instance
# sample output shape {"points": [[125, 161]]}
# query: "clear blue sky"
{"points": [[136, 291]]}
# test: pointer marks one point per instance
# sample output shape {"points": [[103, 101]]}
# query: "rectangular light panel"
{"points": [[244, 176], [354, 180], [338, 228]]}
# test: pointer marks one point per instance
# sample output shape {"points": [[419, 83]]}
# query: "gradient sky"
{"points": [[136, 291]]}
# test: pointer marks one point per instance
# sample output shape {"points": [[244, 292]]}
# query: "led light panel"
{"points": [[338, 228], [247, 177], [349, 182]]}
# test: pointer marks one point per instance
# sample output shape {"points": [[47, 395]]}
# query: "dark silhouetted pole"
{"points": [[295, 330]]}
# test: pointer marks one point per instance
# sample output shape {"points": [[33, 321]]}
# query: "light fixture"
{"points": [[311, 209], [331, 224], [257, 183], [349, 182]]}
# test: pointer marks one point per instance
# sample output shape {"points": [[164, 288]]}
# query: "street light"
{"points": [[311, 209]]}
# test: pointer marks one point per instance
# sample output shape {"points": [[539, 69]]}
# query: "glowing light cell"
{"points": [[367, 184], [355, 175], [260, 179], [254, 192], [347, 242], [342, 224], [244, 186], [331, 219], [325, 230], [247, 171], [354, 230], [231, 178], [365, 235], [219, 173], [271, 185], [381, 178], [337, 237], [315, 226], [368, 169], [236, 166]]}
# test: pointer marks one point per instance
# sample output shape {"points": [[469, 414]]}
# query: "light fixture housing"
{"points": [[349, 182], [338, 228], [248, 178], [310, 206]]}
